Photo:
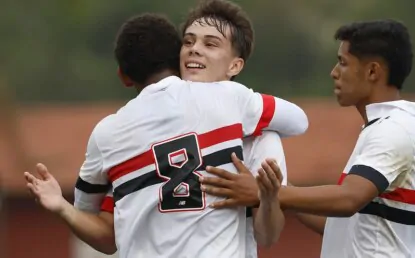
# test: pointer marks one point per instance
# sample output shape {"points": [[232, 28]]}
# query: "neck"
{"points": [[389, 93], [156, 78]]}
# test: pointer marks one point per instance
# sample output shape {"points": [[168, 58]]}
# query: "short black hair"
{"points": [[146, 45], [222, 13], [388, 39]]}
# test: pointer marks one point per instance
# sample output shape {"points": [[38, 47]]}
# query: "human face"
{"points": [[207, 55], [350, 85]]}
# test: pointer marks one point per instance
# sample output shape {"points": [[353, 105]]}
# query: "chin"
{"points": [[344, 103]]}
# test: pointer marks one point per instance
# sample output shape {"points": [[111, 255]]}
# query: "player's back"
{"points": [[156, 147]]}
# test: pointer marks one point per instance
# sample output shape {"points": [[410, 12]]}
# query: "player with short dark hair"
{"points": [[371, 212], [217, 41], [223, 15], [153, 152], [138, 57], [386, 39]]}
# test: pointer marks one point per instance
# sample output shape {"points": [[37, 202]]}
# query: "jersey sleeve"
{"points": [[387, 152], [92, 183], [108, 204], [261, 112]]}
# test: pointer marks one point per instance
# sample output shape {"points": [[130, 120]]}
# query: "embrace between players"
{"points": [[164, 177]]}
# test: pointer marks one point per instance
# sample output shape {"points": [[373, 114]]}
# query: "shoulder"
{"points": [[222, 86], [390, 134], [103, 128]]}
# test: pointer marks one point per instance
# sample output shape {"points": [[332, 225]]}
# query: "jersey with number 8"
{"points": [[153, 151]]}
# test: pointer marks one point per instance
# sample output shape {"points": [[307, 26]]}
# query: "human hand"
{"points": [[269, 180], [239, 189], [45, 189]]}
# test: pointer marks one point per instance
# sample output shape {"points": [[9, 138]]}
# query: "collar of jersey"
{"points": [[378, 110], [161, 85]]}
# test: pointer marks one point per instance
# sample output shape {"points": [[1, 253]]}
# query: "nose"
{"points": [[335, 72], [195, 49]]}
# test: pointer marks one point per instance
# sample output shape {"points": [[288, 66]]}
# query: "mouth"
{"points": [[337, 90], [194, 65]]}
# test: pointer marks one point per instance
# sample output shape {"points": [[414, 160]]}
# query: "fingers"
{"points": [[265, 181], [239, 164], [275, 168], [270, 174], [33, 190], [219, 172], [221, 192], [261, 187], [43, 171], [228, 203], [30, 178], [215, 181]]}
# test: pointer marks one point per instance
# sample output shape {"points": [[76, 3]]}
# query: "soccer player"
{"points": [[210, 53], [155, 148], [371, 212]]}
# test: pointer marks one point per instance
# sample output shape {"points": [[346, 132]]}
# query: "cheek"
{"points": [[182, 54]]}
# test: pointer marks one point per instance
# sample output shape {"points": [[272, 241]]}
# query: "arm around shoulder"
{"points": [[263, 112]]}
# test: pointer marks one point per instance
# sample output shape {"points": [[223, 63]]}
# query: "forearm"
{"points": [[269, 221], [328, 200], [289, 119], [93, 229], [313, 222]]}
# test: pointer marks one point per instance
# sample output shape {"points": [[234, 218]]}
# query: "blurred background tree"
{"points": [[62, 50]]}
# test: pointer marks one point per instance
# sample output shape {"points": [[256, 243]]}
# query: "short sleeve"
{"points": [[108, 203], [261, 112], [92, 183], [387, 152]]}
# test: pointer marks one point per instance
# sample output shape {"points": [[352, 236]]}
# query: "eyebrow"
{"points": [[206, 36]]}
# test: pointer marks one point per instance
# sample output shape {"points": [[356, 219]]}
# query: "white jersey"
{"points": [[154, 149], [255, 150], [385, 155]]}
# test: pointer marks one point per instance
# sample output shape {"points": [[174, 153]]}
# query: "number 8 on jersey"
{"points": [[176, 162]]}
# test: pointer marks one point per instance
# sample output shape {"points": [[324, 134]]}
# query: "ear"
{"points": [[375, 71], [124, 78], [235, 67]]}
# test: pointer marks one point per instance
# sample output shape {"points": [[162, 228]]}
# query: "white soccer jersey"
{"points": [[385, 155], [256, 149], [152, 152]]}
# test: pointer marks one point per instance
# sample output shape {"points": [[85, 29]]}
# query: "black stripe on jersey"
{"points": [[248, 212], [91, 188], [389, 213], [215, 159], [371, 174], [371, 122]]}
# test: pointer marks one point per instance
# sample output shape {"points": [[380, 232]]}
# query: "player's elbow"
{"points": [[109, 250], [106, 246], [349, 206], [302, 124], [297, 122]]}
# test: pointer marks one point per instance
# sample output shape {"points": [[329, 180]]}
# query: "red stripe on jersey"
{"points": [[342, 177], [208, 139], [400, 195], [268, 110], [108, 204]]}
